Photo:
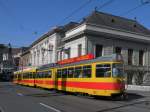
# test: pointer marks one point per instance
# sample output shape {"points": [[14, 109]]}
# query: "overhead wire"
{"points": [[105, 4], [75, 11], [142, 3], [96, 8]]}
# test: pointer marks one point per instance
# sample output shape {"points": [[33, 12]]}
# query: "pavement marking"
{"points": [[20, 94], [49, 107]]}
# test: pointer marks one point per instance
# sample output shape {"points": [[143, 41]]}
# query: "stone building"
{"points": [[24, 58], [44, 50], [9, 61], [104, 34], [6, 62]]}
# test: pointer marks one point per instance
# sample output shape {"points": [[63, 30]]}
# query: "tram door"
{"points": [[55, 78]]}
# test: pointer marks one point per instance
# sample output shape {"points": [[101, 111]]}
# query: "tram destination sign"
{"points": [[76, 59]]}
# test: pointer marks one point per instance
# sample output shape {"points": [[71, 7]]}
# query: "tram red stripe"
{"points": [[92, 85], [85, 85]]}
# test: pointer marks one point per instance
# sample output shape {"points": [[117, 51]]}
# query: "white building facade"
{"points": [[45, 51], [112, 35]]}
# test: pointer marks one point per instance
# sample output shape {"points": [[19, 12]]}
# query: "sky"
{"points": [[24, 21]]}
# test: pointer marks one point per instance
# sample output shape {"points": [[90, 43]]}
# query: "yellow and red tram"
{"points": [[25, 77], [103, 76], [45, 78]]}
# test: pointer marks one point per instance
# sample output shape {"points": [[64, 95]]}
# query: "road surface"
{"points": [[16, 98]]}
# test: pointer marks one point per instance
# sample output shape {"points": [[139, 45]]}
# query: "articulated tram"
{"points": [[103, 76], [25, 77]]}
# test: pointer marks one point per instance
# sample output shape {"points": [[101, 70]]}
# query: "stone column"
{"points": [[124, 53]]}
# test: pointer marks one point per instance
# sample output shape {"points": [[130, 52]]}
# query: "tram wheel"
{"points": [[124, 96]]}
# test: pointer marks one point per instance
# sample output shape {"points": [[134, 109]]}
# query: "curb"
{"points": [[138, 88]]}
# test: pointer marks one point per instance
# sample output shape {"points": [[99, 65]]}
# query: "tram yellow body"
{"points": [[45, 78], [93, 85], [28, 77], [96, 77], [25, 77]]}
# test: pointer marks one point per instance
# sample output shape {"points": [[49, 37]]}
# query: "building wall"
{"points": [[25, 60], [45, 51], [110, 44], [73, 45]]}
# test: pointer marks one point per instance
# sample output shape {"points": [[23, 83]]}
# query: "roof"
{"points": [[109, 58], [59, 29], [105, 19], [46, 35], [16, 51]]}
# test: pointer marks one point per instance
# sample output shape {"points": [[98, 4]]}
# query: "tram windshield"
{"points": [[117, 70]]}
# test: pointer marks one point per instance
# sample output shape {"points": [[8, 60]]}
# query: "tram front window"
{"points": [[103, 70], [117, 70]]}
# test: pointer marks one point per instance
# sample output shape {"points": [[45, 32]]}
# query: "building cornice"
{"points": [[107, 30]]}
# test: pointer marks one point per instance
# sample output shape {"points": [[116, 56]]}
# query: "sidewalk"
{"points": [[138, 87]]}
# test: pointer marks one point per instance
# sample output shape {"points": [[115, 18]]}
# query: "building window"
{"points": [[141, 57], [118, 50], [68, 52], [130, 55], [5, 57], [98, 50], [79, 49]]}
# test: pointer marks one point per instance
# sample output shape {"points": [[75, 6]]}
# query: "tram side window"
{"points": [[78, 72], [30, 75], [33, 74], [19, 76], [24, 76], [44, 74], [87, 71], [50, 74], [37, 75], [64, 73], [103, 70], [58, 73], [27, 75], [70, 72], [40, 75]]}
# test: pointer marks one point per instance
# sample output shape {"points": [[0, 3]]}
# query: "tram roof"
{"points": [[47, 66], [109, 58]]}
